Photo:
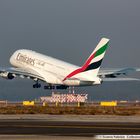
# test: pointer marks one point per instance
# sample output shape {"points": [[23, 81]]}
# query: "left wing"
{"points": [[10, 73]]}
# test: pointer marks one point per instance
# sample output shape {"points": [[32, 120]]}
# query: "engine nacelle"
{"points": [[7, 75]]}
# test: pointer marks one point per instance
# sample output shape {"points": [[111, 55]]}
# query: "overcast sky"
{"points": [[70, 30]]}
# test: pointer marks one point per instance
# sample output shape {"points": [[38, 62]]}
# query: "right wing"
{"points": [[120, 79], [114, 73]]}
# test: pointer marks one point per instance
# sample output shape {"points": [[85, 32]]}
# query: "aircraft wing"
{"points": [[10, 73], [120, 79], [106, 74], [114, 73]]}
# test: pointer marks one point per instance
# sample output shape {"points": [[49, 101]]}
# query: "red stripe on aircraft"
{"points": [[80, 69]]}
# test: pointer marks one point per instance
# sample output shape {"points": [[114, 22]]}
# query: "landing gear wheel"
{"points": [[37, 85]]}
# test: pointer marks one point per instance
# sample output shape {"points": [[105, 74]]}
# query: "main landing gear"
{"points": [[50, 87], [37, 85], [62, 87]]}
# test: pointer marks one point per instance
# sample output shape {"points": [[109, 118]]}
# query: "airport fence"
{"points": [[72, 104]]}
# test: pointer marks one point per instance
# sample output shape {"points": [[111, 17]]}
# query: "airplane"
{"points": [[58, 74]]}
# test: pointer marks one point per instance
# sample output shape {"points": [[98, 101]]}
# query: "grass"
{"points": [[92, 110]]}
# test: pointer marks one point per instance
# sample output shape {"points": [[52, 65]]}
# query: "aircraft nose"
{"points": [[13, 57]]}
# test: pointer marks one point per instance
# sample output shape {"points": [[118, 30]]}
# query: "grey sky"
{"points": [[69, 30]]}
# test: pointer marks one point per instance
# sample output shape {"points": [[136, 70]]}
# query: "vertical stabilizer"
{"points": [[92, 65]]}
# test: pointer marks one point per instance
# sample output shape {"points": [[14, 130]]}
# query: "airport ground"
{"points": [[68, 121], [70, 127], [39, 137]]}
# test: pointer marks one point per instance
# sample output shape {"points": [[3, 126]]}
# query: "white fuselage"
{"points": [[53, 70]]}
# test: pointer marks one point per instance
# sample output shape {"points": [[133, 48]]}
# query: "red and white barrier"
{"points": [[65, 98]]}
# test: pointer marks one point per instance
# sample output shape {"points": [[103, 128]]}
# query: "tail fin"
{"points": [[93, 63]]}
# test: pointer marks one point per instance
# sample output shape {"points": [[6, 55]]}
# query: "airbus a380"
{"points": [[59, 74]]}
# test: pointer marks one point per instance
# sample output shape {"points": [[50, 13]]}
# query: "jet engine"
{"points": [[7, 75]]}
